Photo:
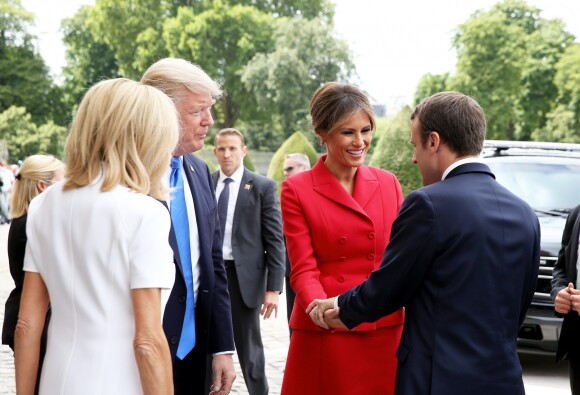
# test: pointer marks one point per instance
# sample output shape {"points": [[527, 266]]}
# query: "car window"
{"points": [[544, 186]]}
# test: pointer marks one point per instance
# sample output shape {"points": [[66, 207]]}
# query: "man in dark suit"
{"points": [[463, 260], [293, 164], [253, 251], [566, 296], [200, 290]]}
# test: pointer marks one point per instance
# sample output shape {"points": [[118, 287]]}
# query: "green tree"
{"points": [[24, 78], [24, 138], [223, 39], [567, 79], [89, 58], [297, 142], [563, 123], [430, 84], [121, 24], [489, 68], [394, 153], [307, 54], [506, 60]]}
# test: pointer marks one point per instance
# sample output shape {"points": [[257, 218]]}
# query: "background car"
{"points": [[547, 177]]}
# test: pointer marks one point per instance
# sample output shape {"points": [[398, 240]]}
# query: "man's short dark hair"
{"points": [[458, 119]]}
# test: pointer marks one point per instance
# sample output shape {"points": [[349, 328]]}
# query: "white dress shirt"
{"points": [[193, 231], [236, 177]]}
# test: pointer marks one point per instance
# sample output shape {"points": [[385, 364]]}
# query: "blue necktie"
{"points": [[223, 204], [180, 223]]}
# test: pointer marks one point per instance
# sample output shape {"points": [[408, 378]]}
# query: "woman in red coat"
{"points": [[337, 222]]}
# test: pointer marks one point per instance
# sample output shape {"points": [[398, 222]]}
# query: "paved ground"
{"points": [[541, 375]]}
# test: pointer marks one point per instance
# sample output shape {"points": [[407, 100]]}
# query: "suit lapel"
{"points": [[173, 242], [246, 186], [366, 185], [326, 185]]}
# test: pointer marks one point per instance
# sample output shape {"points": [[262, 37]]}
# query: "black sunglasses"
{"points": [[288, 169]]}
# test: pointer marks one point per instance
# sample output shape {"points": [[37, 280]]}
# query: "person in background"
{"points": [[97, 250], [6, 181], [293, 164], [253, 251], [337, 222], [38, 172], [200, 274], [463, 260], [566, 296]]}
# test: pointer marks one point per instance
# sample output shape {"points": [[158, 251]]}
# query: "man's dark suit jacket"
{"points": [[463, 260], [257, 240], [213, 317], [565, 272]]}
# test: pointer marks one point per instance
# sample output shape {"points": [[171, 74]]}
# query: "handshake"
{"points": [[323, 313]]}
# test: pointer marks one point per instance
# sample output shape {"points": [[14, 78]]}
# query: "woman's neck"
{"points": [[344, 174]]}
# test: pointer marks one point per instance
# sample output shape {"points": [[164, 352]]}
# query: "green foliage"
{"points": [[430, 84], [394, 153], [506, 60], [222, 39], [89, 58], [562, 126], [297, 142], [307, 54], [119, 23], [25, 138], [24, 78], [248, 163], [381, 129], [14, 24], [567, 80]]}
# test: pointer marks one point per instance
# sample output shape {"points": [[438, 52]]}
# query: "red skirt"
{"points": [[342, 363]]}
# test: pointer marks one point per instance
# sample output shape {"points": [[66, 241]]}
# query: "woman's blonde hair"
{"points": [[35, 168], [126, 129]]}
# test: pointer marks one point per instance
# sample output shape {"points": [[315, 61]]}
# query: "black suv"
{"points": [[547, 176]]}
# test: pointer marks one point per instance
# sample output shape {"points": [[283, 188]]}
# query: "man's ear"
{"points": [[434, 141]]}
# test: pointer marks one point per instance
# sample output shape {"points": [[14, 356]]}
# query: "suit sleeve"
{"points": [[221, 335], [560, 273], [304, 276], [406, 261], [272, 238]]}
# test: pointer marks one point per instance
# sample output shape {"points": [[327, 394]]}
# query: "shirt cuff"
{"points": [[336, 301], [224, 353]]}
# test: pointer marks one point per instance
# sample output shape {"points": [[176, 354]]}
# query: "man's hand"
{"points": [[574, 297], [323, 313], [224, 374], [270, 304], [563, 302]]}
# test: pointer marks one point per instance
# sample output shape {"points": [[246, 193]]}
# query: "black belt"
{"points": [[228, 263]]}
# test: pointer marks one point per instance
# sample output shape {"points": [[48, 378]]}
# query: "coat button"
{"points": [[371, 257], [372, 235], [181, 299], [342, 258], [342, 240], [173, 340], [340, 279]]}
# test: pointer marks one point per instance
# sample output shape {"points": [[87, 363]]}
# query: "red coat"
{"points": [[335, 240]]}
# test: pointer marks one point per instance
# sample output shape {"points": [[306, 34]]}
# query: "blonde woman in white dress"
{"points": [[98, 252]]}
